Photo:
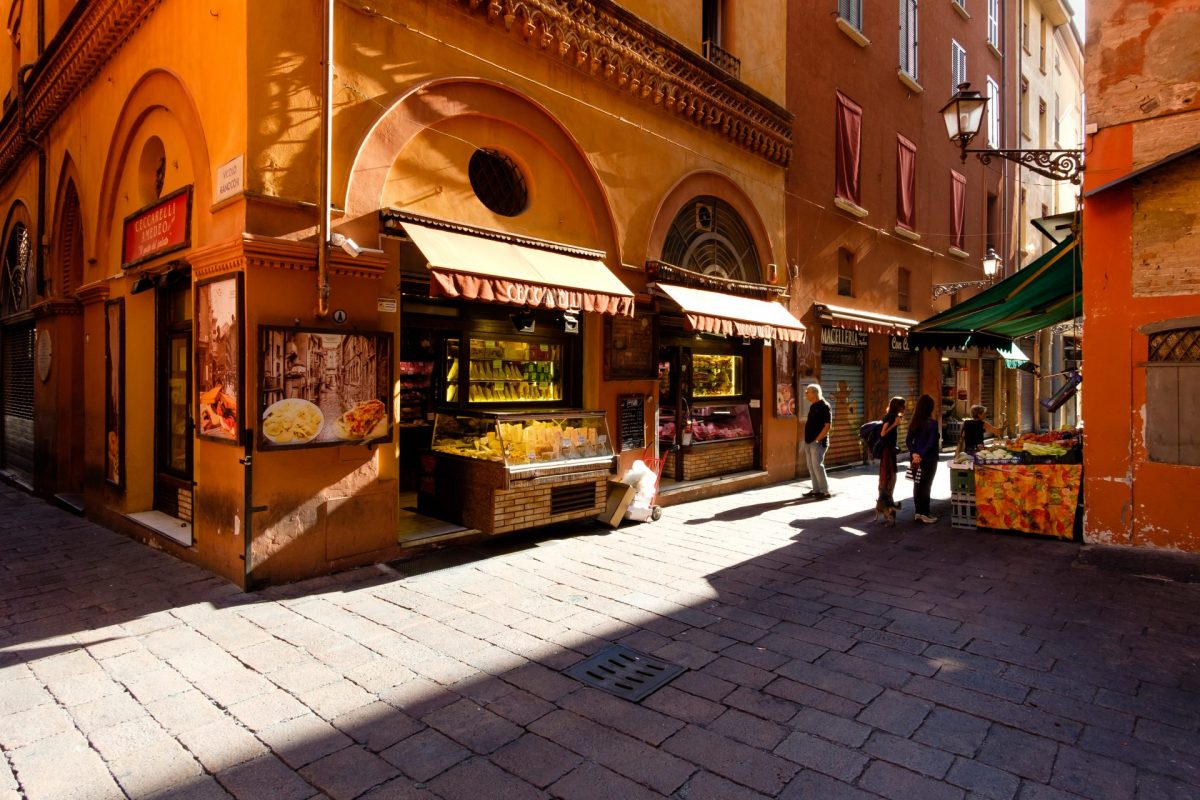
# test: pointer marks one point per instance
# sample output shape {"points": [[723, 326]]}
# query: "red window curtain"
{"points": [[958, 210], [849, 148], [906, 183]]}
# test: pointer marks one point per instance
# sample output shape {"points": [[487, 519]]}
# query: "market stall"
{"points": [[1029, 484]]}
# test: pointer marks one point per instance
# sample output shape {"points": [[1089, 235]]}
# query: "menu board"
{"points": [[631, 422]]}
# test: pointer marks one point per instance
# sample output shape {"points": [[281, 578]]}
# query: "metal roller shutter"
{"points": [[904, 380], [16, 364], [1028, 417], [842, 383], [987, 387]]}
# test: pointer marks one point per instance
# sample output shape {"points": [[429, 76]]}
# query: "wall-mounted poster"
{"points": [[114, 392], [320, 387], [785, 380], [219, 359]]}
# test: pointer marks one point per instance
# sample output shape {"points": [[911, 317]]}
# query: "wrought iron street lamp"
{"points": [[991, 265], [963, 116]]}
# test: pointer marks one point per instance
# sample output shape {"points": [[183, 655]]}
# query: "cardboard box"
{"points": [[620, 495]]}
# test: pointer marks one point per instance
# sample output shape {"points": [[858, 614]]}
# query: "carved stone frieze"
{"points": [[614, 46], [70, 64]]}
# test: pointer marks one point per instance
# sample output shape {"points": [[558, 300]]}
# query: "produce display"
{"points": [[1043, 448]]}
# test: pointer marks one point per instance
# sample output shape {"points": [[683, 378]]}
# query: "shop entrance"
{"points": [[173, 419], [16, 364]]}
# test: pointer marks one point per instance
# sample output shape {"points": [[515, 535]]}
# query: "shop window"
{"points": [[498, 183], [903, 283], [717, 375], [848, 155], [15, 283], [1172, 394], [845, 272], [710, 237]]}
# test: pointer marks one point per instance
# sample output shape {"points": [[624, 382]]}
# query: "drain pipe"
{"points": [[40, 225], [323, 233]]}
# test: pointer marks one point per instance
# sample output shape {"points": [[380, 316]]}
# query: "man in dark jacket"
{"points": [[816, 440]]}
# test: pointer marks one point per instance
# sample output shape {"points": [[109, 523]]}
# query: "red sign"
{"points": [[157, 229]]}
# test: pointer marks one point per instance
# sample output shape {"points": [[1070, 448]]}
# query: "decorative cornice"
{"points": [[217, 259], [94, 292], [263, 252], [92, 35], [57, 308], [669, 273], [600, 38]]}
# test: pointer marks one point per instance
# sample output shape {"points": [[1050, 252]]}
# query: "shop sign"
{"points": [[899, 342], [386, 305], [843, 337], [157, 229]]}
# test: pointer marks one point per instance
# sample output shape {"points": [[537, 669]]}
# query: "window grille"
{"points": [[15, 282], [498, 183], [1179, 345]]}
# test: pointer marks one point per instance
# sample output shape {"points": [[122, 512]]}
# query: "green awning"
{"points": [[1048, 291], [1013, 356]]}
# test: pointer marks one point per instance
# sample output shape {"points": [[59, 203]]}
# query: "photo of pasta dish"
{"points": [[292, 421]]}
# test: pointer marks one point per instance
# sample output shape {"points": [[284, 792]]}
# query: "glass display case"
{"points": [[717, 375], [520, 440], [721, 423], [513, 371]]}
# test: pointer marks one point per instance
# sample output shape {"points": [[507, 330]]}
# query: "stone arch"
{"points": [[444, 121], [156, 92], [17, 289], [706, 183]]}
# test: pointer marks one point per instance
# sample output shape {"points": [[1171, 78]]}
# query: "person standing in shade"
{"points": [[974, 430], [923, 442], [889, 448], [816, 440]]}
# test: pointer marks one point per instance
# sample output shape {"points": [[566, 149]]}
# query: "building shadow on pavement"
{"points": [[826, 657]]}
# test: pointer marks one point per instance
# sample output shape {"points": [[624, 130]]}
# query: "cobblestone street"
{"points": [[827, 657]]}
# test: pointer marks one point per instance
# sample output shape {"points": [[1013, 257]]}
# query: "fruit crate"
{"points": [[962, 480], [962, 510]]}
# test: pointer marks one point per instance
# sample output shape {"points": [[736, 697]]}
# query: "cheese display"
{"points": [[522, 439], [508, 371]]}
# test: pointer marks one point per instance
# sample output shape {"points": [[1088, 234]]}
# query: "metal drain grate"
{"points": [[626, 673]]}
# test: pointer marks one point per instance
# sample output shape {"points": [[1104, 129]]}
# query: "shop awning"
{"points": [[863, 321], [730, 315], [498, 268], [1048, 291]]}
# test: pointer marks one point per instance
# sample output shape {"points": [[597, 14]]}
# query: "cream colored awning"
{"points": [[502, 270], [731, 315]]}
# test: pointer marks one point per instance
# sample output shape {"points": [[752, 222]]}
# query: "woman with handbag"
{"points": [[923, 442]]}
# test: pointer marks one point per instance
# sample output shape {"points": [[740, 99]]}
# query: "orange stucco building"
{"points": [[1141, 279], [188, 362]]}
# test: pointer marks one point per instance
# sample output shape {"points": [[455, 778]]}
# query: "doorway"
{"points": [[173, 418]]}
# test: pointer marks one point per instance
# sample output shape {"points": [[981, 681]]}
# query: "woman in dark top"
{"points": [[923, 442], [889, 448], [973, 431]]}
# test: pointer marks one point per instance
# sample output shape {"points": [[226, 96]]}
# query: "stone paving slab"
{"points": [[828, 657]]}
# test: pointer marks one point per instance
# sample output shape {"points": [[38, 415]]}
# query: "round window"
{"points": [[498, 183]]}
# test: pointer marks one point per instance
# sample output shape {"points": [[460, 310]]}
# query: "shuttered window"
{"points": [[908, 37], [906, 183], [849, 149], [993, 112], [851, 11], [1172, 395], [958, 64], [994, 23], [958, 210]]}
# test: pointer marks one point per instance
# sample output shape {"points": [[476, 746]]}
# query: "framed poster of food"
{"points": [[319, 387], [114, 392], [219, 349]]}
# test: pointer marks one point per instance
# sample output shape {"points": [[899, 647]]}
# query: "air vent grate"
{"points": [[565, 499], [624, 672]]}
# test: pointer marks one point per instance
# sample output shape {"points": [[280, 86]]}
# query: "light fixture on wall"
{"points": [[963, 115], [523, 321], [143, 284], [570, 319], [991, 266]]}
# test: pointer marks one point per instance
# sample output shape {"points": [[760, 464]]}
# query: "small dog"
{"points": [[885, 509]]}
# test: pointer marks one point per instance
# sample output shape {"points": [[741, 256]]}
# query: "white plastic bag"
{"points": [[644, 481]]}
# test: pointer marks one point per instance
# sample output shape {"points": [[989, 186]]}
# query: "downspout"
{"points": [[40, 224], [323, 231]]}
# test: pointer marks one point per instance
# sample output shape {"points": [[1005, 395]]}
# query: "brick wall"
{"points": [[526, 504], [716, 458]]}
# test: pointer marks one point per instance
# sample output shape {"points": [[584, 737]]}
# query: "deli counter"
{"points": [[498, 471]]}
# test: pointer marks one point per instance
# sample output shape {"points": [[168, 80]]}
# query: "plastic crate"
{"points": [[962, 481], [962, 510]]}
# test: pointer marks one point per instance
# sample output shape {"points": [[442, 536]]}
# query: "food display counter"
{"points": [[1029, 484], [500, 471], [716, 439]]}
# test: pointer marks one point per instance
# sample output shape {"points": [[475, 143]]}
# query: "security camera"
{"points": [[352, 248]]}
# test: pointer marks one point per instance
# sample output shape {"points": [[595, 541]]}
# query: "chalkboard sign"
{"points": [[631, 409]]}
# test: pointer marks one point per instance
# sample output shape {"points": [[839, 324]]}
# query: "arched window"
{"points": [[16, 281], [708, 236]]}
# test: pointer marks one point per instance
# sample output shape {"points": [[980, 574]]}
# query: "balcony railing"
{"points": [[723, 58]]}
